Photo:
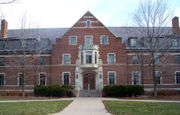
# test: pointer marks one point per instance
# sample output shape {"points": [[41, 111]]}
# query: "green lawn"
{"points": [[142, 108], [32, 108]]}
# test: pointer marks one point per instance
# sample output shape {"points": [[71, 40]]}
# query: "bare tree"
{"points": [[152, 17]]}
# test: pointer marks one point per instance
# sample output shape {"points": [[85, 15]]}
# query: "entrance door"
{"points": [[88, 79]]}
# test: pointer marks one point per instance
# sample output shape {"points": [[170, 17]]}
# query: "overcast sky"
{"points": [[64, 13]]}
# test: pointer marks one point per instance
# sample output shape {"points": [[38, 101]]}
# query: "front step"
{"points": [[92, 93]]}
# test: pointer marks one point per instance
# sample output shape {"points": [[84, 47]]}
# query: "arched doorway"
{"points": [[89, 79]]}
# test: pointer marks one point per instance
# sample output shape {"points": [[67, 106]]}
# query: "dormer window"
{"points": [[132, 42], [88, 23], [174, 43]]}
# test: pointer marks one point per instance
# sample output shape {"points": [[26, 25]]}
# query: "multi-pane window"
{"points": [[72, 40], [42, 60], [2, 61], [177, 59], [111, 58], [135, 59], [158, 77], [1, 79], [104, 40], [21, 61], [88, 57], [66, 59], [111, 77], [156, 59], [174, 43], [177, 77], [88, 23], [88, 40], [136, 78], [20, 79], [66, 78], [132, 42], [42, 79]]}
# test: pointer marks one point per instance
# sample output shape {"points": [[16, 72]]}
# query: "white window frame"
{"points": [[133, 77], [175, 78], [4, 78], [160, 77], [45, 77], [101, 40], [63, 58], [158, 59], [18, 78], [88, 36], [137, 59], [114, 58], [70, 40], [87, 23], [114, 76], [63, 77], [132, 38]]}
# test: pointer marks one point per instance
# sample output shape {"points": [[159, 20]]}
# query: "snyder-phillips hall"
{"points": [[87, 55]]}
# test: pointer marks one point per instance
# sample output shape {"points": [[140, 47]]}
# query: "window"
{"points": [[136, 78], [2, 61], [88, 40], [177, 78], [158, 77], [1, 79], [111, 76], [66, 78], [82, 59], [21, 61], [42, 79], [72, 40], [132, 42], [174, 43], [66, 59], [156, 59], [88, 57], [135, 59], [20, 79], [95, 57], [104, 40], [88, 23], [111, 59], [42, 60], [177, 59]]}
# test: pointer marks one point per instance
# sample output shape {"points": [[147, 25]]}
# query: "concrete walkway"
{"points": [[85, 106]]}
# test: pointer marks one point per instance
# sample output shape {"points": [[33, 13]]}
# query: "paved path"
{"points": [[85, 106]]}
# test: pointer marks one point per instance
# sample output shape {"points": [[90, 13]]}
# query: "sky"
{"points": [[64, 13]]}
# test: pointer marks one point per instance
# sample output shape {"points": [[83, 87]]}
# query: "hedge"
{"points": [[51, 90], [122, 90]]}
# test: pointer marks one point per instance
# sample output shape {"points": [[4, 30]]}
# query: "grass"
{"points": [[142, 108], [32, 108]]}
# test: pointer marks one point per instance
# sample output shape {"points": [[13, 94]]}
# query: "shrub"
{"points": [[51, 90], [122, 90]]}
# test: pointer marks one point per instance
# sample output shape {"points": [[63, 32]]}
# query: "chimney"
{"points": [[4, 28], [175, 25]]}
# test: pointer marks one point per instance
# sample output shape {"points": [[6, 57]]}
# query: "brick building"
{"points": [[87, 55]]}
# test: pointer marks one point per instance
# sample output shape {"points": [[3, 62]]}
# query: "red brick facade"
{"points": [[123, 67]]}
